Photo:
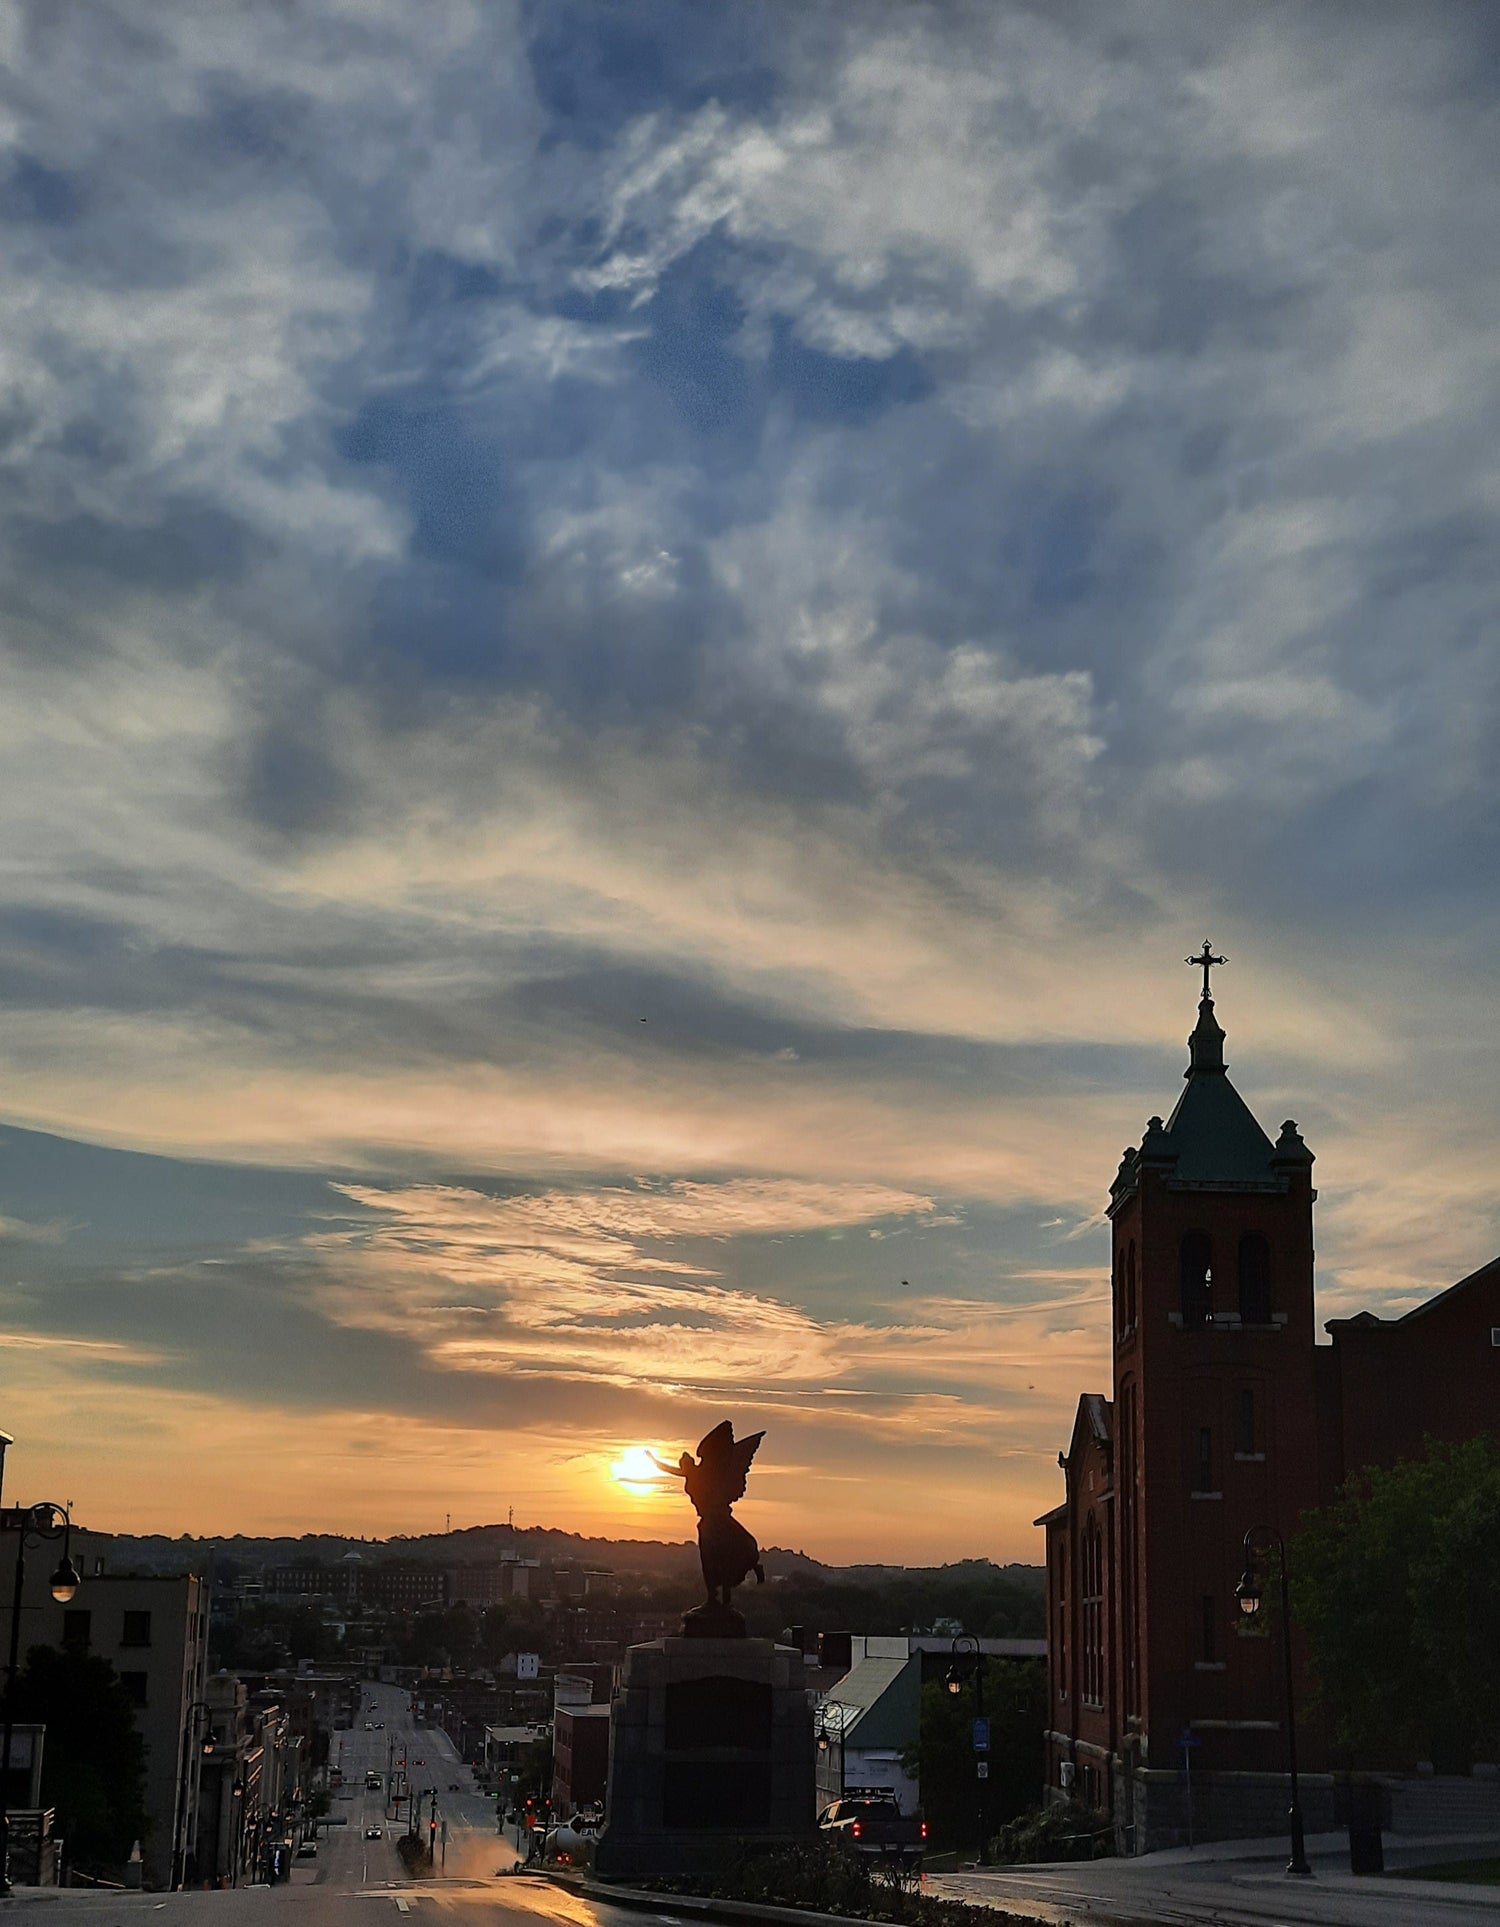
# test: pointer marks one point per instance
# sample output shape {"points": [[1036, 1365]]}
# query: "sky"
{"points": [[634, 639]]}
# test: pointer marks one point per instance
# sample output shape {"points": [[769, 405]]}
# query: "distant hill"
{"points": [[650, 1559]]}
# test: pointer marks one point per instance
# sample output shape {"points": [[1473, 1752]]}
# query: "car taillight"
{"points": [[924, 1829], [858, 1829]]}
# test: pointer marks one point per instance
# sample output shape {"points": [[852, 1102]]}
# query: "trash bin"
{"points": [[1366, 1850]]}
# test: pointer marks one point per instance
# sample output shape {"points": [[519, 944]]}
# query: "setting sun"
{"points": [[638, 1471]]}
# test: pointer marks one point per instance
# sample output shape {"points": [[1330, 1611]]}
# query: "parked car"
{"points": [[308, 1850], [874, 1824]]}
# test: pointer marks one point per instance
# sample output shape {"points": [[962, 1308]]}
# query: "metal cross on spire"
{"points": [[1205, 962]]}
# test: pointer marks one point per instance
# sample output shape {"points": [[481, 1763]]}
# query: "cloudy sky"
{"points": [[633, 641]]}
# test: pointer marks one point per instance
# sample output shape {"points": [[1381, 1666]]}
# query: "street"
{"points": [[424, 1760], [358, 1882]]}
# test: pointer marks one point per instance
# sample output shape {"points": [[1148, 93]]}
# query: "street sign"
{"points": [[981, 1735], [982, 1769], [1187, 1737]]}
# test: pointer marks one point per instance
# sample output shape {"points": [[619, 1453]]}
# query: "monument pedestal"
{"points": [[710, 1748]]}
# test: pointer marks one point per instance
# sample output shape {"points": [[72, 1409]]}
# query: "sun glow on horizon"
{"points": [[637, 1471]]}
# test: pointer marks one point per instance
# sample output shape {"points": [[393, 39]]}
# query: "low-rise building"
{"points": [[154, 1632], [868, 1720], [251, 1790], [580, 1758]]}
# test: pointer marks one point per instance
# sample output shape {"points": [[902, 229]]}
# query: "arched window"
{"points": [[1255, 1280], [1197, 1280], [1130, 1285]]}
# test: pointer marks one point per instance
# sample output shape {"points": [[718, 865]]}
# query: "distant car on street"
{"points": [[374, 1833], [308, 1850]]}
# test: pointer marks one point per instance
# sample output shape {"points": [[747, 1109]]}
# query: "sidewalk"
{"points": [[1244, 1880]]}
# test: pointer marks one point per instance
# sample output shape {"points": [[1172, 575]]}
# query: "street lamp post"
{"points": [[831, 1734], [32, 1524], [1248, 1593], [967, 1648], [190, 1756]]}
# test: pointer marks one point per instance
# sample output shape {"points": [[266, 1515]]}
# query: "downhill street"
{"points": [[358, 1881]]}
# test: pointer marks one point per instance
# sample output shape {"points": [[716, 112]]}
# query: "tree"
{"points": [[1015, 1703], [1396, 1586], [93, 1758]]}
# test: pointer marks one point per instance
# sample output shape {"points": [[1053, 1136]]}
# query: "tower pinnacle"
{"points": [[1205, 962]]}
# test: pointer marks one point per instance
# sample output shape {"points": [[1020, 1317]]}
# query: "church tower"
{"points": [[1215, 1426], [1212, 1429]]}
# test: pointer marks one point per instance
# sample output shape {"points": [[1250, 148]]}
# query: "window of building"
{"points": [[136, 1629], [1255, 1280], [1197, 1280], [1130, 1284], [1205, 1460], [1129, 1583], [1092, 1599], [1062, 1617], [76, 1625], [135, 1686], [1210, 1628], [1244, 1420]]}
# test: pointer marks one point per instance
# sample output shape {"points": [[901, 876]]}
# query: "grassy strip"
{"points": [[1474, 1873]]}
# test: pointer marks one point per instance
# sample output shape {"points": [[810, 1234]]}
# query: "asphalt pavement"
{"points": [[1239, 1884]]}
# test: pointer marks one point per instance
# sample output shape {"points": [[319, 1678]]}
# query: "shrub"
{"points": [[1065, 1831], [412, 1849], [830, 1877]]}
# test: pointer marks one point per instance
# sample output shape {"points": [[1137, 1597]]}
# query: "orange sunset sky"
{"points": [[633, 643]]}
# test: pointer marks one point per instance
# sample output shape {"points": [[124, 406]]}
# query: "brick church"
{"points": [[1226, 1414]]}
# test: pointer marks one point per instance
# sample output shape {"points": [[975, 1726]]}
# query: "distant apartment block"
{"points": [[350, 1582]]}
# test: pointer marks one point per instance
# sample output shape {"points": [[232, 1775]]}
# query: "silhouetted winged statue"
{"points": [[727, 1552]]}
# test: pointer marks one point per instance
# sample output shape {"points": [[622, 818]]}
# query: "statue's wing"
{"points": [[726, 1460], [741, 1453], [715, 1450]]}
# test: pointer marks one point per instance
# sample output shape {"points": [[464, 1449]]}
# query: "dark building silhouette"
{"points": [[1225, 1414]]}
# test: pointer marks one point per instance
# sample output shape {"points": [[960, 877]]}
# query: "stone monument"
{"points": [[710, 1732]]}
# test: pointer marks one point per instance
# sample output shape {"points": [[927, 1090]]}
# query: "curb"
{"points": [[703, 1907]]}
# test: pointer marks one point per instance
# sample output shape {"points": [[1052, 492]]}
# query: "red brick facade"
{"points": [[1225, 1415]]}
